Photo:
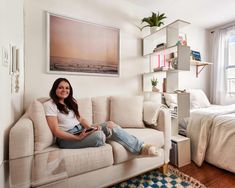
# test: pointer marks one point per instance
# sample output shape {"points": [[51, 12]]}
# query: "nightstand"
{"points": [[180, 154]]}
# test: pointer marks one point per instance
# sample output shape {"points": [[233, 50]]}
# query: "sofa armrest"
{"points": [[164, 124], [21, 141]]}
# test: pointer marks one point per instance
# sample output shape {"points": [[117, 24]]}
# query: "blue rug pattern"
{"points": [[156, 179]]}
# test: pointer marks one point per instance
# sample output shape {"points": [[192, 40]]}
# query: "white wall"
{"points": [[11, 104], [197, 39], [120, 14]]}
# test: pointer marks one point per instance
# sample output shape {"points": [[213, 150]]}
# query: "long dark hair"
{"points": [[70, 102]]}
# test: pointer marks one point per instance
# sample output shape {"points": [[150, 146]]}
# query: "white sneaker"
{"points": [[149, 150]]}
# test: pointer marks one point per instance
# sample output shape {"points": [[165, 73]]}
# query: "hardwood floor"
{"points": [[210, 176]]}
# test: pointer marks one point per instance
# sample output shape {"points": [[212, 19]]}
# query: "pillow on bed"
{"points": [[171, 99], [198, 99]]}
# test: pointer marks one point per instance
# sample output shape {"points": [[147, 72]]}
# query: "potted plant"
{"points": [[154, 21], [154, 84]]}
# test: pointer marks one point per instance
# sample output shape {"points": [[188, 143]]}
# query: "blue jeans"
{"points": [[98, 138]]}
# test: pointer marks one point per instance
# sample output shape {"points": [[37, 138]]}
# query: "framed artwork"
{"points": [[196, 55], [80, 47]]}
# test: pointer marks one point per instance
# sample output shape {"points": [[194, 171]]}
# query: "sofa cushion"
{"points": [[100, 108], [79, 161], [127, 111], [85, 109], [149, 136], [43, 136]]}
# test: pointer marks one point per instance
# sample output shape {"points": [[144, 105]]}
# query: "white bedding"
{"points": [[212, 134]]}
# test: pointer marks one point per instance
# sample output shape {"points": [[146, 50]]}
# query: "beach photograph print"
{"points": [[79, 47]]}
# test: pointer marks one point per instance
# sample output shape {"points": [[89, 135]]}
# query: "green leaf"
{"points": [[154, 20]]}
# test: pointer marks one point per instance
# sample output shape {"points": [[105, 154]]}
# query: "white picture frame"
{"points": [[80, 47]]}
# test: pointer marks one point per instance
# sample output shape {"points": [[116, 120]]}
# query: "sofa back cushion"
{"points": [[85, 108], [43, 136], [100, 108], [127, 111]]}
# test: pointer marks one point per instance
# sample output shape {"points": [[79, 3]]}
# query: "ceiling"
{"points": [[204, 13]]}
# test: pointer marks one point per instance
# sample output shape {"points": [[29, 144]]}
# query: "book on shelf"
{"points": [[173, 112], [160, 69]]}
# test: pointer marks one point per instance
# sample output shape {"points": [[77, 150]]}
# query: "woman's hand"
{"points": [[83, 134], [97, 127]]}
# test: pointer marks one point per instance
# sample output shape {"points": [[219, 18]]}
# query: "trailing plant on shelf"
{"points": [[156, 20]]}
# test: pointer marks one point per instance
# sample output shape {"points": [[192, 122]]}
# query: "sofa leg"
{"points": [[164, 168]]}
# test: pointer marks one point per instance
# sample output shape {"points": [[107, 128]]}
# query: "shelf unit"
{"points": [[168, 36], [180, 154], [200, 65]]}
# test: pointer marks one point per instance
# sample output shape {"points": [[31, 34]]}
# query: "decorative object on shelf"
{"points": [[157, 69], [154, 85], [164, 85], [183, 39], [154, 21], [174, 63], [180, 91], [196, 55], [160, 46]]}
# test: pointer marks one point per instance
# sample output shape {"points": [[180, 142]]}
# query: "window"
{"points": [[230, 69]]}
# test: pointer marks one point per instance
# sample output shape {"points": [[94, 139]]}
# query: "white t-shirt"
{"points": [[66, 121]]}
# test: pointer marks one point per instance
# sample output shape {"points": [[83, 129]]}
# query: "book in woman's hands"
{"points": [[87, 130]]}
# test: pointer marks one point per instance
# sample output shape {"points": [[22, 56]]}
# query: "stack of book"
{"points": [[173, 112], [160, 69]]}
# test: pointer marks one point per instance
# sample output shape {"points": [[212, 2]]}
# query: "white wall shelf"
{"points": [[200, 65]]}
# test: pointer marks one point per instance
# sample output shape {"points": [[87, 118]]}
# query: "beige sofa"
{"points": [[43, 164]]}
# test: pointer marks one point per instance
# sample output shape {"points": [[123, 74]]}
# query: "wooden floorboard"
{"points": [[210, 176]]}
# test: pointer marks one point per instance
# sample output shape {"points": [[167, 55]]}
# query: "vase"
{"points": [[153, 29], [155, 89]]}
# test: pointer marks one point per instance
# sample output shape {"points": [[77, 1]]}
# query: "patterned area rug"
{"points": [[174, 179]]}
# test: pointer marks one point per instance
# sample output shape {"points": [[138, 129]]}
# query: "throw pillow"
{"points": [[171, 100], [100, 108], [43, 136], [198, 99], [151, 112], [127, 111], [85, 109]]}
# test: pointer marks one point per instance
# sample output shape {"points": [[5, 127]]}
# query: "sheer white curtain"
{"points": [[220, 57]]}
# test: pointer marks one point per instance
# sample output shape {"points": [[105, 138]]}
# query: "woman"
{"points": [[64, 121]]}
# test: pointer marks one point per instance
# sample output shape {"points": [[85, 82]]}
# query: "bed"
{"points": [[211, 129]]}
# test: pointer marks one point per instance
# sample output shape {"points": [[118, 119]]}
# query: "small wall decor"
{"points": [[80, 47]]}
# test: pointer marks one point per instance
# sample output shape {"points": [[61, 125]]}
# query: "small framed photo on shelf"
{"points": [[196, 55]]}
